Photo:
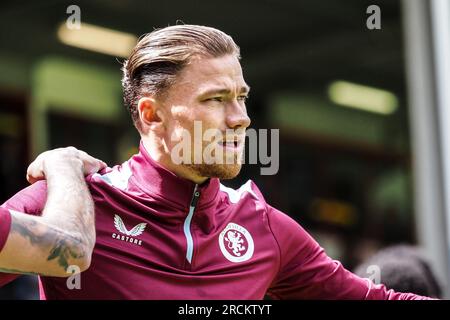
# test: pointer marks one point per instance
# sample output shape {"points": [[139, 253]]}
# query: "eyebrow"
{"points": [[244, 89]]}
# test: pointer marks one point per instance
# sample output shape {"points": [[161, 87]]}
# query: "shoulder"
{"points": [[117, 177], [249, 192], [246, 192]]}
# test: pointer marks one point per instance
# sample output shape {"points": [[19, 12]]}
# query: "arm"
{"points": [[65, 233], [306, 272]]}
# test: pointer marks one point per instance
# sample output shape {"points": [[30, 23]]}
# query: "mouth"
{"points": [[232, 144]]}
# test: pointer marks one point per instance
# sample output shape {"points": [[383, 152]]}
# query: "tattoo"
{"points": [[61, 244], [63, 252]]}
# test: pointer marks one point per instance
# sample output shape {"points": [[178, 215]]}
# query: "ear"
{"points": [[149, 114]]}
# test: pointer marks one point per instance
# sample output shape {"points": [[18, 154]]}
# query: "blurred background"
{"points": [[361, 112]]}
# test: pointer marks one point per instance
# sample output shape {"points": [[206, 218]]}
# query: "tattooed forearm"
{"points": [[43, 248], [65, 233], [60, 246]]}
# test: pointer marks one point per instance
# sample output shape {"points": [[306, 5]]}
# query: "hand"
{"points": [[71, 156]]}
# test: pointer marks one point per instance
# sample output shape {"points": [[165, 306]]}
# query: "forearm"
{"points": [[69, 203], [65, 233], [35, 246]]}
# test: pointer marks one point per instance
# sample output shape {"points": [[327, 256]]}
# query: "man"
{"points": [[168, 229], [65, 234]]}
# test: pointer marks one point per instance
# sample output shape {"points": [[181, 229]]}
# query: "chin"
{"points": [[221, 171]]}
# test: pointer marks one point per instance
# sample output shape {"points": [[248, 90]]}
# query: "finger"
{"points": [[35, 172], [93, 166], [103, 164], [33, 179], [85, 157]]}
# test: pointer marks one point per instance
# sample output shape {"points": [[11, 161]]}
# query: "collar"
{"points": [[152, 178]]}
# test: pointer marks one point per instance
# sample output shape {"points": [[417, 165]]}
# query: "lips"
{"points": [[231, 143]]}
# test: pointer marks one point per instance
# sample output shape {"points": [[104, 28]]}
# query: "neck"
{"points": [[161, 155]]}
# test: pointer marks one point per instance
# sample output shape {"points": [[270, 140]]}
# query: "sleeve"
{"points": [[30, 200], [5, 225], [306, 272]]}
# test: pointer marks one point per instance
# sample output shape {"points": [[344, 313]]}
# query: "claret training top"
{"points": [[163, 237]]}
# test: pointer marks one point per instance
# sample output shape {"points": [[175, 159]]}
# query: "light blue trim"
{"points": [[187, 233]]}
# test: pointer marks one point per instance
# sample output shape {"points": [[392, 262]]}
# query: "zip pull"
{"points": [[187, 225], [195, 196]]}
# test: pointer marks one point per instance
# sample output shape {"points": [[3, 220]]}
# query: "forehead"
{"points": [[206, 73]]}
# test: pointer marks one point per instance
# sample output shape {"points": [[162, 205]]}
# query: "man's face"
{"points": [[208, 95]]}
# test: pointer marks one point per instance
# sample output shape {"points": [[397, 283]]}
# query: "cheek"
{"points": [[195, 120], [180, 114], [213, 117], [180, 121]]}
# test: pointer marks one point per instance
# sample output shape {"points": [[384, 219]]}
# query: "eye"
{"points": [[243, 98], [217, 99]]}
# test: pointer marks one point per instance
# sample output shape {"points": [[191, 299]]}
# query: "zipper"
{"points": [[187, 224]]}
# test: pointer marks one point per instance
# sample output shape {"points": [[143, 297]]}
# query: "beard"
{"points": [[209, 159], [224, 170], [221, 171]]}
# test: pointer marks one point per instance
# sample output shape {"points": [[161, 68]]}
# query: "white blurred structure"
{"points": [[427, 50]]}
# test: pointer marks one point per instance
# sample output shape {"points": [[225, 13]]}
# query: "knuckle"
{"points": [[71, 149]]}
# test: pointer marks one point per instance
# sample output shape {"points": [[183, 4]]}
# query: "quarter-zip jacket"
{"points": [[163, 237]]}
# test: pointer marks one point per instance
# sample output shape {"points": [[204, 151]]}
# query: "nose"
{"points": [[237, 117]]}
